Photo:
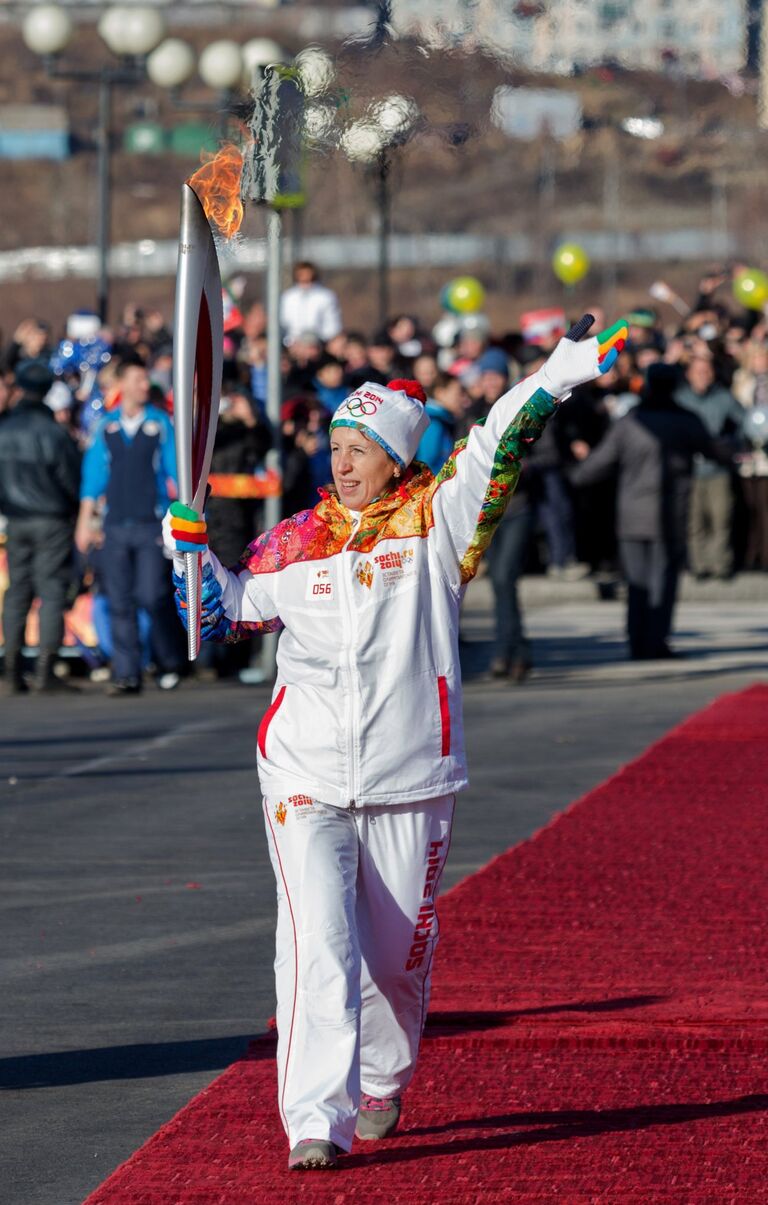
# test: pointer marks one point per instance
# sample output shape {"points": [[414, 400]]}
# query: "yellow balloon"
{"points": [[570, 263], [465, 295], [750, 288]]}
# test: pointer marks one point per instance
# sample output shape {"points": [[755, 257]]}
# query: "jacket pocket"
{"points": [[445, 717], [269, 715]]}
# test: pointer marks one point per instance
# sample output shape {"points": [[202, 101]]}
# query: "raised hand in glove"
{"points": [[572, 364], [184, 530]]}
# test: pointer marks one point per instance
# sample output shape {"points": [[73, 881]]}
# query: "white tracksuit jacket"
{"points": [[366, 708]]}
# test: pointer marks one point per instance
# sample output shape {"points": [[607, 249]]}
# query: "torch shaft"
{"points": [[192, 580], [197, 353]]}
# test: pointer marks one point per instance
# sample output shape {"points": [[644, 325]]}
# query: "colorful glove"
{"points": [[188, 529], [214, 624], [572, 364]]}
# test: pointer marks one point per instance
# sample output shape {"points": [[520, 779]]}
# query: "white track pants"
{"points": [[356, 933]]}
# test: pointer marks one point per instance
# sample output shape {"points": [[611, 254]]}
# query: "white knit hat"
{"points": [[393, 415]]}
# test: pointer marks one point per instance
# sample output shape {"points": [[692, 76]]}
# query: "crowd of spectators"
{"points": [[659, 464]]}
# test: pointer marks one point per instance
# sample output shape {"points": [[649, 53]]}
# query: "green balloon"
{"points": [[750, 288], [570, 263], [464, 295]]}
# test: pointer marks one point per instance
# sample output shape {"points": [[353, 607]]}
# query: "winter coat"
{"points": [[652, 450], [232, 521], [722, 416], [367, 703], [39, 464], [439, 438]]}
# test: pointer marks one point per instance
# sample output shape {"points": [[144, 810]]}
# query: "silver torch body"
{"points": [[197, 366]]}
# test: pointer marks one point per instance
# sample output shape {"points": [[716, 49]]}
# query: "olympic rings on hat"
{"points": [[359, 407]]}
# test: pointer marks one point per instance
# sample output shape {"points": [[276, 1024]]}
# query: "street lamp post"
{"points": [[381, 170], [134, 35], [130, 34]]}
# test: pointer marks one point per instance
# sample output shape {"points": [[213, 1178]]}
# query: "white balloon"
{"points": [[221, 64], [475, 323], [171, 64], [47, 29], [755, 425], [445, 331]]}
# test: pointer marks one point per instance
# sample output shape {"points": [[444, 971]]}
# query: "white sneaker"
{"points": [[168, 681], [378, 1116]]}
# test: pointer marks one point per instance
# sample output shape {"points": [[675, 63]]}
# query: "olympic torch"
{"points": [[197, 367]]}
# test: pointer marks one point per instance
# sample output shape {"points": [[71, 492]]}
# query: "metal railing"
{"points": [[150, 257]]}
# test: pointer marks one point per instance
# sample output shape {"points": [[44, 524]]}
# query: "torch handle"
{"points": [[192, 580]]}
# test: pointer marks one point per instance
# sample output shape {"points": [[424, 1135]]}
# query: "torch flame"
{"points": [[217, 184]]}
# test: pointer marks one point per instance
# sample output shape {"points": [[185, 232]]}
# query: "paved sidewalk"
{"points": [[577, 637]]}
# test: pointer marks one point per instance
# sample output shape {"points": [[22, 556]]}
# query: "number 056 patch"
{"points": [[319, 585]]}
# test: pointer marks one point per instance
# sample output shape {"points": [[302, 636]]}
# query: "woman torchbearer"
{"points": [[361, 753]]}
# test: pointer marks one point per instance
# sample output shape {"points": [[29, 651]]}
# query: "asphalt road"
{"points": [[136, 893]]}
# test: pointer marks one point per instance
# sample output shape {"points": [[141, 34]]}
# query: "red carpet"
{"points": [[599, 1023]]}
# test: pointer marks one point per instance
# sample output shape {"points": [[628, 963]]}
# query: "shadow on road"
{"points": [[140, 1061]]}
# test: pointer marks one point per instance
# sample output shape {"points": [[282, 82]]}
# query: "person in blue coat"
{"points": [[328, 383], [130, 464], [446, 407]]}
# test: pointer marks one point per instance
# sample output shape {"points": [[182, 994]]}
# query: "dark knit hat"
{"points": [[34, 378]]}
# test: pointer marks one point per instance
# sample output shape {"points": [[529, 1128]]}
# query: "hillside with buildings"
{"points": [[660, 150]]}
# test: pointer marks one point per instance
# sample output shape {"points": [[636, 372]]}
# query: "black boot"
{"points": [[46, 681], [15, 682]]}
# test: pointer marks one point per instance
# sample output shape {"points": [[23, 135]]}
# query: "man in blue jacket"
{"points": [[130, 464]]}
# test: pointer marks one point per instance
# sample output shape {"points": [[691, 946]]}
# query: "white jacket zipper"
{"points": [[351, 666]]}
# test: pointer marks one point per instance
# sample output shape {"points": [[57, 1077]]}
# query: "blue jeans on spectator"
{"points": [[136, 574], [102, 624], [557, 517]]}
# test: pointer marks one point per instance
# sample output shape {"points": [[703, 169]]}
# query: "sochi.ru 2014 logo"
{"points": [[364, 574], [281, 812], [301, 801]]}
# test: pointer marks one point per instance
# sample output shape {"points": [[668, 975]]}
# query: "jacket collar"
{"points": [[416, 478]]}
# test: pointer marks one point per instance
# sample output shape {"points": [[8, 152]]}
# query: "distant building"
{"points": [[34, 132], [527, 113], [704, 37]]}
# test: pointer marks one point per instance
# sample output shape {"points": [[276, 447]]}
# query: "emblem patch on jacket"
{"points": [[364, 574], [319, 585], [281, 812], [395, 565]]}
